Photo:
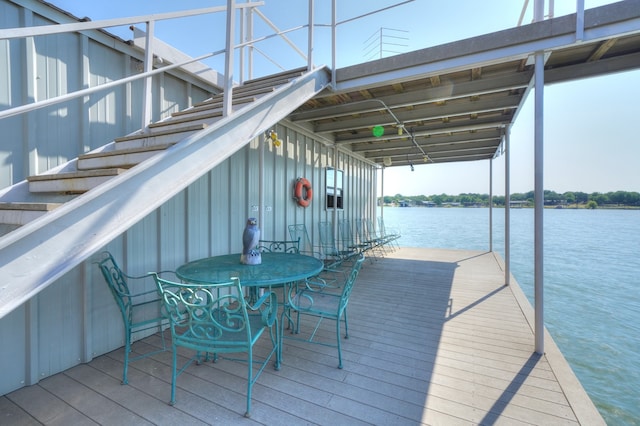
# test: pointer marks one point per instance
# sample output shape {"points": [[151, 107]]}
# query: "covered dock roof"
{"points": [[454, 102]]}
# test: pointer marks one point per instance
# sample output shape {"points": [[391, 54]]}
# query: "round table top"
{"points": [[276, 268]]}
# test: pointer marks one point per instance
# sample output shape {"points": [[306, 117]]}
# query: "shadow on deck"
{"points": [[435, 337]]}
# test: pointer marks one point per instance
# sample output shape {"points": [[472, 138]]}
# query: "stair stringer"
{"points": [[40, 252]]}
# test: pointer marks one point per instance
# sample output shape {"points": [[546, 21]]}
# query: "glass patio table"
{"points": [[276, 269]]}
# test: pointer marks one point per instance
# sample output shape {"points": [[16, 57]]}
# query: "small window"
{"points": [[334, 182]]}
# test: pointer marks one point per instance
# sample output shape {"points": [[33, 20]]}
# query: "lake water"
{"points": [[591, 285]]}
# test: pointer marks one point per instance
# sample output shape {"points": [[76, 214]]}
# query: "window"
{"points": [[334, 181]]}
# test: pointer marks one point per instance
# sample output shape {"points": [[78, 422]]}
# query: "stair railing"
{"points": [[149, 72]]}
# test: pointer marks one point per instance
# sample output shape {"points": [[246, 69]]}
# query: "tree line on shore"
{"points": [[552, 198]]}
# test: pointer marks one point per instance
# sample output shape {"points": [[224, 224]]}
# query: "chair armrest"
{"points": [[269, 311]]}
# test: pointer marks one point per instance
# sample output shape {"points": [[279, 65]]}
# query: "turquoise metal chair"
{"points": [[366, 233], [139, 304], [390, 236], [348, 239], [299, 232], [306, 299], [279, 246], [328, 276], [330, 247], [216, 319]]}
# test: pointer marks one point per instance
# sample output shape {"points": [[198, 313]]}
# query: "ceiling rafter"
{"points": [[453, 102]]}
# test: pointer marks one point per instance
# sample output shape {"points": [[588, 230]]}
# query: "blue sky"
{"points": [[591, 125]]}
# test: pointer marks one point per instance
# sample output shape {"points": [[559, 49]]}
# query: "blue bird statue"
{"points": [[250, 239]]}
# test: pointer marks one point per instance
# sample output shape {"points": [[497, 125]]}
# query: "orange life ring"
{"points": [[303, 192]]}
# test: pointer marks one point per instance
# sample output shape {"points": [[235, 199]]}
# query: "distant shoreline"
{"points": [[563, 207]]}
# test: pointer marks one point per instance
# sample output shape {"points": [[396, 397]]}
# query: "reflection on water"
{"points": [[592, 297]]}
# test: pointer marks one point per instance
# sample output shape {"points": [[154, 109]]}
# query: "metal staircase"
{"points": [[58, 219]]}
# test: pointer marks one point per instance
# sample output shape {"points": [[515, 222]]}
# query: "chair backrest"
{"points": [[361, 233], [117, 282], [284, 246], [381, 227], [299, 232], [327, 240], [346, 235], [370, 229], [206, 316], [349, 283]]}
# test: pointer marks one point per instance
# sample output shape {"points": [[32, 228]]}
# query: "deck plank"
{"points": [[435, 337]]}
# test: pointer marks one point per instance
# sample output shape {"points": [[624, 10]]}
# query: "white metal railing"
{"points": [[248, 10], [539, 14], [149, 72]]}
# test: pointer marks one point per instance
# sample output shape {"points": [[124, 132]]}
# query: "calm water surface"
{"points": [[591, 279]]}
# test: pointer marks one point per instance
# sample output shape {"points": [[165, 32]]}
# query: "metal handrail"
{"points": [[22, 32]]}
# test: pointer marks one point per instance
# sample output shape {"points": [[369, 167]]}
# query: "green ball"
{"points": [[378, 131]]}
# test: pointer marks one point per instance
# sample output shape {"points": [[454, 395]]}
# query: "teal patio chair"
{"points": [[348, 239], [390, 236], [330, 247], [328, 275], [367, 233], [139, 304], [312, 301], [299, 232], [216, 319], [279, 246]]}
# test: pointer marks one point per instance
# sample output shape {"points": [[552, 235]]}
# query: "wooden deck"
{"points": [[435, 338]]}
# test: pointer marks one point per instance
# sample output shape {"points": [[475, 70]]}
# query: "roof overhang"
{"points": [[453, 102]]}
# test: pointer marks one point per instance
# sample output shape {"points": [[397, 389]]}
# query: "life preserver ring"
{"points": [[303, 192]]}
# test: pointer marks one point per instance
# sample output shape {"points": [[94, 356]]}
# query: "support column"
{"points": [[491, 205], [147, 86], [311, 29], [539, 191], [228, 59], [507, 207], [334, 19]]}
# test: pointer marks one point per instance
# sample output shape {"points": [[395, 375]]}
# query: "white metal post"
{"points": [[507, 208], [491, 205], [243, 39], [262, 141], [228, 59], [250, 37], [539, 191], [148, 66], [335, 194], [311, 29], [579, 20], [334, 19], [382, 195]]}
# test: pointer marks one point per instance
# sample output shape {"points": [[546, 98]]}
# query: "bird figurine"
{"points": [[250, 238]]}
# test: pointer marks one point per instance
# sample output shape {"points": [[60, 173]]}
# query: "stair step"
{"points": [[290, 74], [178, 122], [256, 86], [119, 158], [209, 105], [18, 213], [158, 137], [72, 182], [238, 98]]}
